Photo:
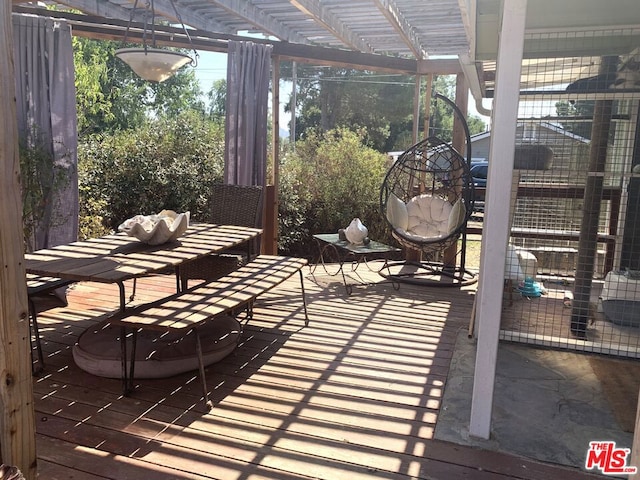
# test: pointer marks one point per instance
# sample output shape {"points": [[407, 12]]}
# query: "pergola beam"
{"points": [[99, 8], [113, 29], [322, 16], [189, 17], [162, 8], [401, 26], [251, 14]]}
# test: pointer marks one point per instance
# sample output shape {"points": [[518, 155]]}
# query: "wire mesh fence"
{"points": [[573, 264]]}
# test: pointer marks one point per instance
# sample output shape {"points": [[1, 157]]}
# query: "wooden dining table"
{"points": [[118, 257]]}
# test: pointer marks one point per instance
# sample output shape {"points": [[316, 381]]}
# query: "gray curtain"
{"points": [[47, 122], [248, 71]]}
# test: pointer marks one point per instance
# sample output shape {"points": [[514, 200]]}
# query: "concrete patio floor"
{"points": [[532, 383]]}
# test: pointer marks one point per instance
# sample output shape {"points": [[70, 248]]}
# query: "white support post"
{"points": [[635, 449], [496, 222]]}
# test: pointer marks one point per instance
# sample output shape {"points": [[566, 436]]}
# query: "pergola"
{"points": [[485, 40]]}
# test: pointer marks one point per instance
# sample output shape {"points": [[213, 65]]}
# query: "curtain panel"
{"points": [[248, 73], [47, 122]]}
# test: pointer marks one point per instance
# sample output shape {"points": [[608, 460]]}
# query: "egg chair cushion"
{"points": [[397, 212], [158, 355], [457, 216], [428, 217]]}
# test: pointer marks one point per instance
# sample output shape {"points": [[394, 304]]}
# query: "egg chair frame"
{"points": [[432, 181]]}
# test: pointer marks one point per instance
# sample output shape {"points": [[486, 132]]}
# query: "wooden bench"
{"points": [[189, 309], [38, 285]]}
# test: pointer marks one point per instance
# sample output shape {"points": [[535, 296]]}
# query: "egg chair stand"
{"points": [[426, 199]]}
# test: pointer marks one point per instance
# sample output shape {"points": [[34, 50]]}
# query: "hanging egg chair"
{"points": [[426, 199]]}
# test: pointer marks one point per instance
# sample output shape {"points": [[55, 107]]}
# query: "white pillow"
{"points": [[397, 212], [456, 217], [439, 211], [428, 216], [417, 212], [426, 230]]}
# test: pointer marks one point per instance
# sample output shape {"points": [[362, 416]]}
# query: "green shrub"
{"points": [[324, 184], [167, 164], [329, 180]]}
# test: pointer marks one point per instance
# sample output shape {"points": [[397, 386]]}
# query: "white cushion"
{"points": [[440, 210], [397, 212], [428, 216], [456, 217], [426, 230], [158, 354]]}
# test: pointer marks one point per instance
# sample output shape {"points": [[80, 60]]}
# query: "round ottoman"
{"points": [[158, 355]]}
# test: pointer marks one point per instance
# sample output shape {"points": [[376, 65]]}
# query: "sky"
{"points": [[212, 66]]}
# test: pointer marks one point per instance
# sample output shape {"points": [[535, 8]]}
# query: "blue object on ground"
{"points": [[530, 288]]}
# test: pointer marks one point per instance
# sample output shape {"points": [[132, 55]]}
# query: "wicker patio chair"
{"points": [[9, 472], [426, 199], [229, 205]]}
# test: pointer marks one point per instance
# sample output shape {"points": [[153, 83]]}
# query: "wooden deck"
{"points": [[353, 395]]}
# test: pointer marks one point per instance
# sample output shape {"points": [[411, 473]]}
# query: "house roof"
{"points": [[554, 127]]}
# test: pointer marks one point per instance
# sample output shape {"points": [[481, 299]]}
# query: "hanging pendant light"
{"points": [[149, 62], [153, 64]]}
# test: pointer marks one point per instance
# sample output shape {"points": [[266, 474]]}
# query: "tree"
{"points": [[476, 125], [217, 97], [327, 181], [442, 115], [366, 102], [94, 102], [168, 163], [380, 106], [581, 109], [179, 94], [111, 97]]}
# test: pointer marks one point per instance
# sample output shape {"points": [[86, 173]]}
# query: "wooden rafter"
{"points": [[265, 23], [112, 29], [401, 26], [333, 24]]}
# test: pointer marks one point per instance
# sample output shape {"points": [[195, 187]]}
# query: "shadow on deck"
{"points": [[356, 394]]}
